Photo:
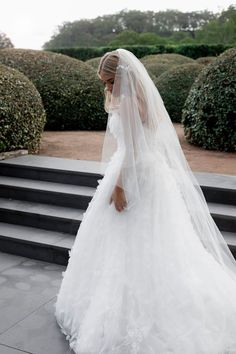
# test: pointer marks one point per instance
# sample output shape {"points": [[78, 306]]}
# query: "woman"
{"points": [[149, 271]]}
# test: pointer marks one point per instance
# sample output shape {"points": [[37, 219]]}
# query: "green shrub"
{"points": [[205, 60], [209, 114], [22, 115], [156, 69], [160, 63], [71, 92], [174, 86], [94, 62]]}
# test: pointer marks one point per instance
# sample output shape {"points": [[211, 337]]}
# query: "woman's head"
{"points": [[107, 73], [107, 69]]}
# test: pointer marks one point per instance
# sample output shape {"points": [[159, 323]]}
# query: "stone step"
{"points": [[230, 238], [224, 216], [51, 246], [31, 242], [43, 199], [46, 192], [66, 219], [52, 169], [217, 187], [41, 215]]}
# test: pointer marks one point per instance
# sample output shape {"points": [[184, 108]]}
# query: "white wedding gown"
{"points": [[140, 281]]}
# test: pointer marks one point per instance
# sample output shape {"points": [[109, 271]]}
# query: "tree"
{"points": [[104, 29], [134, 38], [5, 42], [221, 30], [149, 38], [125, 37]]}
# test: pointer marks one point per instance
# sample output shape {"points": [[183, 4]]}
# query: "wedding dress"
{"points": [[141, 281]]}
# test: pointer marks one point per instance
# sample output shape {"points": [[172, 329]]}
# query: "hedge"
{"points": [[205, 60], [209, 114], [174, 86], [94, 62], [190, 50], [70, 89]]}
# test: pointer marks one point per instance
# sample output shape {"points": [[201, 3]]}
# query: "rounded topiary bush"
{"points": [[156, 69], [167, 58], [157, 64], [209, 114], [174, 86], [94, 62], [22, 115], [205, 60], [71, 92]]}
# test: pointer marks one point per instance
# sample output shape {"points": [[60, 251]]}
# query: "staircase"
{"points": [[43, 199]]}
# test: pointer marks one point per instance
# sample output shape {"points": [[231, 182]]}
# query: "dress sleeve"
{"points": [[133, 117]]}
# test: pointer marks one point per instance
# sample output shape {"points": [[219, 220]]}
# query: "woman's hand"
{"points": [[118, 196]]}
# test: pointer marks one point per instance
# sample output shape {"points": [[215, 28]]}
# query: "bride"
{"points": [[149, 271]]}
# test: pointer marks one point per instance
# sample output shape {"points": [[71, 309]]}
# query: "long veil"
{"points": [[147, 131]]}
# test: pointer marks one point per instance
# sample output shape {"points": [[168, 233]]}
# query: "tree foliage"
{"points": [[5, 42], [105, 29], [220, 30]]}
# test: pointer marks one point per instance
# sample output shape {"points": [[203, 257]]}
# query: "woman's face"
{"points": [[108, 80]]}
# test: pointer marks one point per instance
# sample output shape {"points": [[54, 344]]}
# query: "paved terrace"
{"points": [[28, 291], [29, 287]]}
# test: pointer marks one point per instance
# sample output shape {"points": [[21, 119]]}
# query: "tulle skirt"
{"points": [[140, 281]]}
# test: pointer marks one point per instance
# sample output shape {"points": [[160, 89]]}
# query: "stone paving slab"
{"points": [[9, 350], [27, 294], [38, 333]]}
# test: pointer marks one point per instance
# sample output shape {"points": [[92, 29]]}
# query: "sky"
{"points": [[29, 24]]}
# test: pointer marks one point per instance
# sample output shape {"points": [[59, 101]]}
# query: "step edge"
{"points": [[56, 170], [49, 216], [10, 186]]}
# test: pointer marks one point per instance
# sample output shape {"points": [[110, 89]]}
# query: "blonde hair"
{"points": [[108, 65]]}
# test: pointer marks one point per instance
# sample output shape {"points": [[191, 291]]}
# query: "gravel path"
{"points": [[87, 145]]}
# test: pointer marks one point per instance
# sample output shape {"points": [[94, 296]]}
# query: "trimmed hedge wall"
{"points": [[209, 114], [22, 115], [70, 89], [190, 50]]}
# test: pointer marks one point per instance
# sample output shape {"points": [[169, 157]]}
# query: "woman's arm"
{"points": [[119, 181], [118, 195]]}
